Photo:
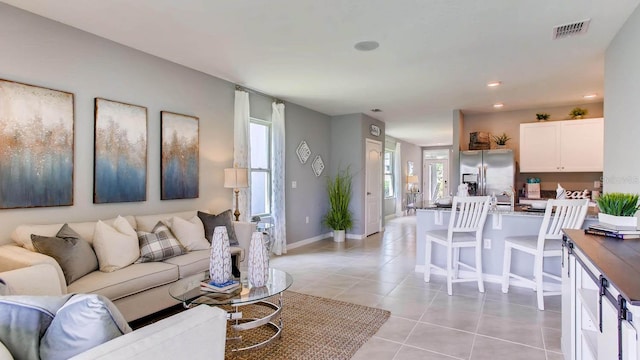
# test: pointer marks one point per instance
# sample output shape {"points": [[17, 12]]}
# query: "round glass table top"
{"points": [[188, 291]]}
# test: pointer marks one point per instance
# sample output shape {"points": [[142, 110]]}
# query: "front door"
{"points": [[436, 179], [373, 196]]}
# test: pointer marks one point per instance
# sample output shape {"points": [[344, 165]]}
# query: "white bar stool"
{"points": [[559, 214], [468, 215]]}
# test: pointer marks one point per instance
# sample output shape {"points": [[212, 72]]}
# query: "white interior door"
{"points": [[435, 179], [373, 196]]}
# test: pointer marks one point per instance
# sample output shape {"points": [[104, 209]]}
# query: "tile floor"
{"points": [[425, 322]]}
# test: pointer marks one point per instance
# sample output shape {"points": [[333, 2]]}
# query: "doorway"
{"points": [[435, 175], [373, 192]]}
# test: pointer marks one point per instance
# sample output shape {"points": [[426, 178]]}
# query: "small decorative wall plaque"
{"points": [[374, 130], [317, 165], [303, 152]]}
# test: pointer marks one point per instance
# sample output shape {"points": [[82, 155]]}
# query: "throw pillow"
{"points": [[84, 322], [74, 254], [158, 245], [190, 233], [117, 246], [210, 222], [25, 320]]}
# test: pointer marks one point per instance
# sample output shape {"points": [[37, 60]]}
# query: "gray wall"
{"points": [[53, 55], [621, 127]]}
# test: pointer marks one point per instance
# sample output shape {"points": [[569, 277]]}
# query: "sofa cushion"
{"points": [[4, 352], [211, 221], [22, 234], [191, 263], [190, 233], [74, 254], [126, 281], [4, 289], [24, 320], [117, 246], [159, 244], [83, 322]]}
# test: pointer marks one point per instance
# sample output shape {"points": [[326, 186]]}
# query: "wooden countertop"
{"points": [[618, 260]]}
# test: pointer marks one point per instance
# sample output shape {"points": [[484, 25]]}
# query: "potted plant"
{"points": [[578, 113], [542, 116], [618, 210], [501, 140], [339, 217]]}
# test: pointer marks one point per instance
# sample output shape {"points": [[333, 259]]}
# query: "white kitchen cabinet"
{"points": [[562, 146]]}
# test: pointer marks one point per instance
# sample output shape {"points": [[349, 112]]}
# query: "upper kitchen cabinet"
{"points": [[562, 146]]}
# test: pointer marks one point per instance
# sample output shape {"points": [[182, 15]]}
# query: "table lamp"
{"points": [[236, 179], [412, 181]]}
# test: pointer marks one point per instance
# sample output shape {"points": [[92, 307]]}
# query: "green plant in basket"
{"points": [[502, 139], [618, 204], [339, 217], [542, 116], [578, 113]]}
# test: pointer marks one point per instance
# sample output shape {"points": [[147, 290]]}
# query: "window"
{"points": [[388, 174], [260, 187]]}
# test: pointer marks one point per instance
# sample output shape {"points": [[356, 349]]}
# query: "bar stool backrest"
{"points": [[561, 214], [468, 214]]}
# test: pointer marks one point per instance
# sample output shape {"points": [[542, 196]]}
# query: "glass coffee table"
{"points": [[188, 292]]}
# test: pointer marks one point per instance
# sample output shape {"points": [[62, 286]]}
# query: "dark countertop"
{"points": [[618, 260]]}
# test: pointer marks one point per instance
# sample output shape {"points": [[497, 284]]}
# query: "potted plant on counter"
{"points": [[339, 217], [501, 140], [618, 210], [578, 113]]}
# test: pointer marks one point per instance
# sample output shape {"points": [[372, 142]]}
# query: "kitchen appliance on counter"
{"points": [[488, 172]]}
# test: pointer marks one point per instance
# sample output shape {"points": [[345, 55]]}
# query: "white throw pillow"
{"points": [[117, 246], [190, 233]]}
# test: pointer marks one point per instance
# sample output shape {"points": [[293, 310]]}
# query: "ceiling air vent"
{"points": [[566, 30]]}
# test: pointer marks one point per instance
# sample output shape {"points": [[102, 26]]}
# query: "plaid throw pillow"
{"points": [[158, 245]]}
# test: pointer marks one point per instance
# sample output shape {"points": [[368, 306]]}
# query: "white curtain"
{"points": [[399, 176], [241, 149], [278, 185]]}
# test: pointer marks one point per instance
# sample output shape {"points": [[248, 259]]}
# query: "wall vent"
{"points": [[567, 30]]}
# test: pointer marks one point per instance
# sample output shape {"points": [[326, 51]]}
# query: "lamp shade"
{"points": [[236, 178], [412, 179]]}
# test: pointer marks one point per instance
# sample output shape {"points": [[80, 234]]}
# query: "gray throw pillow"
{"points": [[210, 222], [24, 320], [73, 253], [84, 322], [158, 245]]}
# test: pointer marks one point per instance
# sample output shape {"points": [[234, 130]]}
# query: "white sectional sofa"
{"points": [[137, 290]]}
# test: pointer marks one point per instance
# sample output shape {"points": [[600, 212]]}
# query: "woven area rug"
{"points": [[314, 328]]}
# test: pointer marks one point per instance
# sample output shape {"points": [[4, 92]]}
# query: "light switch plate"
{"points": [[294, 184]]}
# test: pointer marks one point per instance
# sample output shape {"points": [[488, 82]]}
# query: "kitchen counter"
{"points": [[617, 260]]}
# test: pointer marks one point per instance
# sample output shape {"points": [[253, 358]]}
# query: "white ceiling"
{"points": [[434, 55]]}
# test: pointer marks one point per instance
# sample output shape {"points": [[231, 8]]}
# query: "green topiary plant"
{"points": [[578, 113], [618, 204], [502, 139], [542, 116], [339, 217]]}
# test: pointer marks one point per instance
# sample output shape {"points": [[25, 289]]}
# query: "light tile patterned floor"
{"points": [[425, 322]]}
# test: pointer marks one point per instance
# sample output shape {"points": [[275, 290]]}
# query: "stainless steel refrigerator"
{"points": [[488, 171]]}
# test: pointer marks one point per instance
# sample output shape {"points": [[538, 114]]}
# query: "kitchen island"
{"points": [[499, 225]]}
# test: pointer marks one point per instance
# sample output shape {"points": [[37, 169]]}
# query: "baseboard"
{"points": [[491, 278], [390, 216], [355, 236], [308, 241]]}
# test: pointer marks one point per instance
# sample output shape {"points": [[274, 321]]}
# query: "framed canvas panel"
{"points": [[179, 153], [120, 152], [36, 146]]}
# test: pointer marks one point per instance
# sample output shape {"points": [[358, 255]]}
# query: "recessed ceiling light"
{"points": [[590, 96], [376, 110], [494, 83], [498, 105], [366, 45]]}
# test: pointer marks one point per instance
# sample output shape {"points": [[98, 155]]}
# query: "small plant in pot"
{"points": [[578, 113], [339, 217], [501, 140], [542, 116], [618, 210]]}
